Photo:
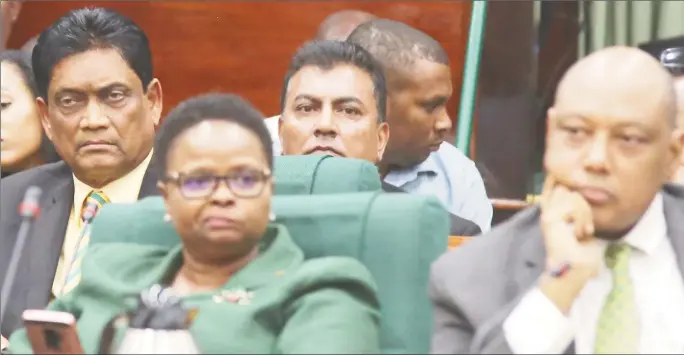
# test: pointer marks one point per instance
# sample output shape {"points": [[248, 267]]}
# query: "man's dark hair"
{"points": [[397, 45], [22, 61], [328, 54], [91, 28], [209, 107]]}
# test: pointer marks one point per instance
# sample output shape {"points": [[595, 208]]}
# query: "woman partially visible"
{"points": [[23, 141], [254, 291]]}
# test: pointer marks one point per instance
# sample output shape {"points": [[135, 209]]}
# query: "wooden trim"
{"points": [[508, 204]]}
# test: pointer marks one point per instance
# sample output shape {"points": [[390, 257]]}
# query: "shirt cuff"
{"points": [[537, 326]]}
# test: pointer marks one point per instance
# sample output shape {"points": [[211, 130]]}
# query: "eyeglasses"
{"points": [[673, 60], [242, 184]]}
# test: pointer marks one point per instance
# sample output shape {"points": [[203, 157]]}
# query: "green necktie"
{"points": [[618, 326]]}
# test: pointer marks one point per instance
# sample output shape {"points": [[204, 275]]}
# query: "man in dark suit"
{"points": [[334, 102], [599, 266], [99, 104]]}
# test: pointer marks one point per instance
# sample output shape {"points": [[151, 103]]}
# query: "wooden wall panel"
{"points": [[245, 46]]}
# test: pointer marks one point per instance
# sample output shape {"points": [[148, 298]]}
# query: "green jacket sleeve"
{"points": [[333, 310], [19, 343]]}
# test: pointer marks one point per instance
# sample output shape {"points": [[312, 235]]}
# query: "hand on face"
{"points": [[568, 229]]}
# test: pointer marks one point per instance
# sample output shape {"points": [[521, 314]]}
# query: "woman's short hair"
{"points": [[22, 61], [206, 107]]}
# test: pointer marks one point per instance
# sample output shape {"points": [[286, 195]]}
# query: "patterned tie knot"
{"points": [[617, 254], [98, 198]]}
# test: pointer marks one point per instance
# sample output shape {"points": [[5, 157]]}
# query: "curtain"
{"points": [[628, 22]]}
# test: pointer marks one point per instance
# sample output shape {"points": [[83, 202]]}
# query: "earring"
{"points": [[271, 216], [167, 217]]}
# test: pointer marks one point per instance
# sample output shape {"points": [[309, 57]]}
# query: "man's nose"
{"points": [[443, 123], [95, 116], [596, 159], [325, 125]]}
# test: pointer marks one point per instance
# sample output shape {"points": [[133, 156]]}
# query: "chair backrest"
{"points": [[397, 237], [323, 174]]}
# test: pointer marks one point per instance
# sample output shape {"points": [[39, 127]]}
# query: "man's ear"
{"points": [[162, 189], [550, 117], [154, 97], [383, 138], [43, 113]]}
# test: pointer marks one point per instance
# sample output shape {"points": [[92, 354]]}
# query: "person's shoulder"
{"points": [[492, 247], [272, 123], [122, 265], [449, 151], [36, 175], [463, 227], [13, 187], [332, 271], [456, 162]]}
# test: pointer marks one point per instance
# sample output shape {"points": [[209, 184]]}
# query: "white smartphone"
{"points": [[51, 332]]}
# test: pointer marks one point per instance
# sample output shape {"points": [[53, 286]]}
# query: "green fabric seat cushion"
{"points": [[323, 174], [397, 236]]}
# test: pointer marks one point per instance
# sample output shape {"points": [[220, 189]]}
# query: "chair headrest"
{"points": [[323, 174]]}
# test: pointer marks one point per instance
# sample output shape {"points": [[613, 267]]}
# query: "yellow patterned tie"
{"points": [[618, 325], [74, 275]]}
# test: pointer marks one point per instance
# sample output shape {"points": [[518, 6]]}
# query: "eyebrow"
{"points": [[566, 116], [436, 100], [106, 87], [336, 100]]}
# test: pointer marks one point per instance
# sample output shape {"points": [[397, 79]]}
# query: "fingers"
{"points": [[561, 204], [583, 217], [547, 190]]}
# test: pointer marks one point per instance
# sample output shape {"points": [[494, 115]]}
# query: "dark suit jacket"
{"points": [[469, 314], [37, 267], [459, 226]]}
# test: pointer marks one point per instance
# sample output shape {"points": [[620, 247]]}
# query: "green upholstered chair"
{"points": [[397, 236], [323, 174]]}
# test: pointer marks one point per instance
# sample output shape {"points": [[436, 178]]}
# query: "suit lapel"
{"points": [[149, 183], [531, 255], [44, 248]]}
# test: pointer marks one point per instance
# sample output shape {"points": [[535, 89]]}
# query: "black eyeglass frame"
{"points": [[178, 178]]}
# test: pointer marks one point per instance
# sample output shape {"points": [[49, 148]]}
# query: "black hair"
{"points": [[91, 28], [328, 54], [22, 61], [208, 107], [397, 45]]}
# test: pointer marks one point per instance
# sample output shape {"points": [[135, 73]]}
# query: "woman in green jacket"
{"points": [[253, 290]]}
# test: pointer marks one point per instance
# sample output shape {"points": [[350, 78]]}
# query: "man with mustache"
{"points": [[336, 27], [334, 102], [418, 88], [99, 103], [679, 87], [598, 267]]}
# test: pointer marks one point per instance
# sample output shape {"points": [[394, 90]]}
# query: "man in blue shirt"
{"points": [[416, 158], [419, 86]]}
